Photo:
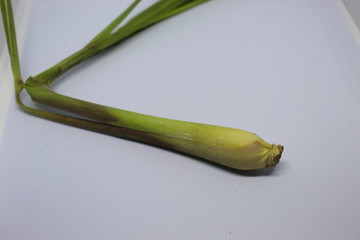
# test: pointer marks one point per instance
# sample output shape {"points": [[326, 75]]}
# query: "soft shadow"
{"points": [[273, 171]]}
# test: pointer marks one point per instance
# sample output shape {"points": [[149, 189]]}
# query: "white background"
{"points": [[288, 70]]}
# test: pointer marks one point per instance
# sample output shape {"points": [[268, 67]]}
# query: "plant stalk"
{"points": [[230, 147]]}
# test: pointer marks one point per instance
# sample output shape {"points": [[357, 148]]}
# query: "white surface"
{"points": [[287, 70]]}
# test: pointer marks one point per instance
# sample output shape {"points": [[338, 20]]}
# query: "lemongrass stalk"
{"points": [[106, 32], [230, 147], [9, 26]]}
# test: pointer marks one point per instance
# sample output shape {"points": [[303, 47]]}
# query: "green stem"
{"points": [[105, 39], [56, 71], [231, 147], [182, 8], [115, 23], [9, 25]]}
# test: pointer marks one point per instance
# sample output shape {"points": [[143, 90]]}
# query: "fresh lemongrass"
{"points": [[230, 147]]}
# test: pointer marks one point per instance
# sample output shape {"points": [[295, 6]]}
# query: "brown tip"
{"points": [[276, 152]]}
